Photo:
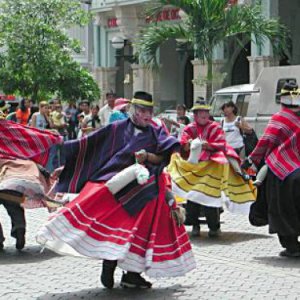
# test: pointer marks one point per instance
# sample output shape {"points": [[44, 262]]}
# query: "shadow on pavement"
{"points": [[278, 262], [30, 254], [227, 238], [171, 292]]}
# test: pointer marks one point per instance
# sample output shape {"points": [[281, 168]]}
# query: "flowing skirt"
{"points": [[95, 225], [211, 184], [281, 203], [22, 182]]}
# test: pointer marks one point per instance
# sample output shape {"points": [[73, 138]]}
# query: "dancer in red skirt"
{"points": [[115, 218]]}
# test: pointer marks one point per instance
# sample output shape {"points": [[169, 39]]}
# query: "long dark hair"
{"points": [[22, 105]]}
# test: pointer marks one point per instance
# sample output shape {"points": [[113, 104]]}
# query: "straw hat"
{"points": [[200, 104]]}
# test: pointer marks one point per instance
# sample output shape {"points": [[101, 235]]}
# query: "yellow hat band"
{"points": [[201, 107], [292, 93], [141, 102]]}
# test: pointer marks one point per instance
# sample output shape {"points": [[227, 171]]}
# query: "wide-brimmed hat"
{"points": [[121, 103], [200, 104], [290, 94], [141, 98], [142, 102]]}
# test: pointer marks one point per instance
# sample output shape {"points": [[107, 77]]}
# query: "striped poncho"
{"points": [[214, 135], [280, 144], [24, 142]]}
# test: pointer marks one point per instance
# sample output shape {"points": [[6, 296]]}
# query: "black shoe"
{"points": [[107, 275], [1, 245], [288, 253], [134, 280], [214, 233], [20, 237]]}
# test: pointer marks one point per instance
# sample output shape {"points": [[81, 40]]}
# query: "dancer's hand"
{"points": [[247, 163], [56, 173], [141, 156], [205, 145]]}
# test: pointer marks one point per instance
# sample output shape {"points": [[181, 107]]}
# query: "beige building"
{"points": [[117, 25]]}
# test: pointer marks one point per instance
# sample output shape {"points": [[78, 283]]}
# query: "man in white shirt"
{"points": [[106, 110], [85, 111]]}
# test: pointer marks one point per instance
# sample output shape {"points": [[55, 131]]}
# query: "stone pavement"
{"points": [[242, 264]]}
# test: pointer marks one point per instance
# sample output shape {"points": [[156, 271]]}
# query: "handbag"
{"points": [[250, 141]]}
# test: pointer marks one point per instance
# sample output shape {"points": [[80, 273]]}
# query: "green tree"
{"points": [[75, 82], [36, 47], [206, 25]]}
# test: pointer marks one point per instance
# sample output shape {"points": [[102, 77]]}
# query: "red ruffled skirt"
{"points": [[95, 225]]}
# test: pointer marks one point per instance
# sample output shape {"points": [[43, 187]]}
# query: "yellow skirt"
{"points": [[211, 184]]}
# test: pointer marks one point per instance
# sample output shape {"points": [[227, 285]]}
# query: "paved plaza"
{"points": [[242, 264]]}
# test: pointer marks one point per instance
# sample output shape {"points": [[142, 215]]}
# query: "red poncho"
{"points": [[214, 135], [23, 142], [280, 144]]}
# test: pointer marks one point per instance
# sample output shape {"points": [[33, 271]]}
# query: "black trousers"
{"points": [[195, 210], [290, 242], [17, 216]]}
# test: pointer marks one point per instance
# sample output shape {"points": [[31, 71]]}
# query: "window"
{"points": [[217, 102], [280, 85], [242, 103]]}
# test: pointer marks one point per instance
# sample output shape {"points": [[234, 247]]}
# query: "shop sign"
{"points": [[112, 22], [163, 16]]}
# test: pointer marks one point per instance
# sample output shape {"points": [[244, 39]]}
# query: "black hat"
{"points": [[142, 99]]}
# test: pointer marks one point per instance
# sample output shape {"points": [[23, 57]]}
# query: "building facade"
{"points": [[117, 25]]}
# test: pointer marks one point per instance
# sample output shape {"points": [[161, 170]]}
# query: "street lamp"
{"points": [[118, 42]]}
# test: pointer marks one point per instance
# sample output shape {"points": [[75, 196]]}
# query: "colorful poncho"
{"points": [[214, 135], [23, 142], [102, 154], [280, 144]]}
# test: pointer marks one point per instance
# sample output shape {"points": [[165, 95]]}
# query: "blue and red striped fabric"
{"points": [[24, 142]]}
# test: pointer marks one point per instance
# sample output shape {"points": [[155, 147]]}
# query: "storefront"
{"points": [[117, 26]]}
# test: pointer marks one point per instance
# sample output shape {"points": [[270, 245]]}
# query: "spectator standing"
{"points": [[175, 126], [85, 112], [92, 121], [41, 119], [59, 120], [234, 126], [120, 111], [23, 113], [71, 118], [106, 110]]}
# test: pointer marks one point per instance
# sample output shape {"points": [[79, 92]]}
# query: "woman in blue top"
{"points": [[120, 110]]}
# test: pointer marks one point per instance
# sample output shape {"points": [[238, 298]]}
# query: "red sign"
{"points": [[112, 22], [165, 15]]}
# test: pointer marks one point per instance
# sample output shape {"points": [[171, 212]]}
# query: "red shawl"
{"points": [[24, 142], [214, 135], [280, 144]]}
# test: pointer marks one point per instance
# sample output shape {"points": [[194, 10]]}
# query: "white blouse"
{"points": [[233, 133]]}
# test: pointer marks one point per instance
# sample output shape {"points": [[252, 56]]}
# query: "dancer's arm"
{"points": [[143, 156]]}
